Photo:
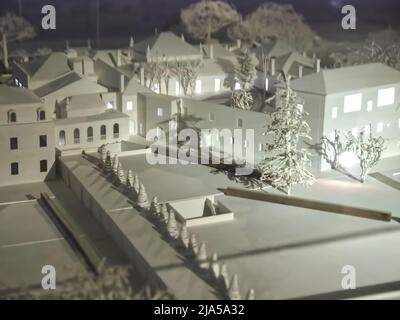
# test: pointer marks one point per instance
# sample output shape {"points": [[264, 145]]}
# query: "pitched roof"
{"points": [[273, 49], [50, 66], [86, 101], [57, 84], [14, 96], [166, 44], [219, 50], [106, 115], [292, 59], [134, 87], [347, 79]]}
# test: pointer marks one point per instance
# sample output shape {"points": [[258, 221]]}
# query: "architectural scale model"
{"points": [[232, 156]]}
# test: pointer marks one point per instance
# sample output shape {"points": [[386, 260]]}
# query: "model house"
{"points": [[352, 99], [27, 137]]}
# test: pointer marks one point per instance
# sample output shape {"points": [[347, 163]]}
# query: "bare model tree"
{"points": [[332, 149], [187, 73], [204, 18], [273, 21], [13, 28], [368, 150], [242, 99], [286, 164]]}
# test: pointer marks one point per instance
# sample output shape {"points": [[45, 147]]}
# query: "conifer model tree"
{"points": [[172, 227], [246, 71], [107, 164], [129, 179], [183, 236], [285, 163], [143, 199], [233, 291]]}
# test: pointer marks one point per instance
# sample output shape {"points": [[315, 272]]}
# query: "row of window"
{"points": [[42, 142], [198, 87], [15, 167], [353, 102], [89, 134], [12, 115], [380, 126]]}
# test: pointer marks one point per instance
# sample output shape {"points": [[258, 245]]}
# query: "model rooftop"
{"points": [[347, 79], [16, 96]]}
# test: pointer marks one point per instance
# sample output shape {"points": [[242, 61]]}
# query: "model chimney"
{"points": [[119, 60], [122, 83], [239, 43], [272, 66], [318, 65], [89, 44], [67, 44], [142, 76], [201, 49], [183, 37], [300, 71], [131, 43], [211, 51]]}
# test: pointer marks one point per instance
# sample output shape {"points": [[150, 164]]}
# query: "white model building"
{"points": [[351, 99], [27, 137]]}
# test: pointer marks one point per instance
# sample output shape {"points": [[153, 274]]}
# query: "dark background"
{"points": [[122, 18]]}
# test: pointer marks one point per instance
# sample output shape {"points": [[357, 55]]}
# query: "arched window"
{"points": [[103, 132], [12, 116], [41, 114], [61, 138], [90, 134], [116, 130], [77, 136]]}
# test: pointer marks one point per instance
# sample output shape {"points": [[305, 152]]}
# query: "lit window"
{"points": [[217, 85], [354, 131], [160, 112], [212, 116], [246, 144], [367, 129], [352, 103], [177, 88], [237, 86], [129, 105], [156, 88], [379, 127], [232, 140], [334, 112], [110, 105], [141, 128], [370, 105], [399, 123], [198, 86], [301, 107], [260, 147], [266, 84], [386, 97]]}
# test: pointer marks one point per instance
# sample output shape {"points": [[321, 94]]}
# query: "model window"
{"points": [[334, 112], [386, 97], [14, 169], [12, 116], [43, 165], [43, 141], [198, 87], [13, 143], [103, 132], [90, 134], [160, 112], [217, 85], [41, 115], [129, 105], [110, 105], [116, 130], [61, 138], [352, 103], [379, 127], [370, 106], [212, 116], [77, 136], [240, 123]]}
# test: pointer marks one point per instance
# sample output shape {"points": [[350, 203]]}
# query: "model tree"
{"points": [[13, 28], [129, 179], [136, 184], [115, 165], [187, 73], [107, 164], [286, 164], [332, 149], [223, 276], [273, 21], [172, 227], [214, 266], [233, 290], [121, 173], [246, 71], [143, 199], [206, 17], [155, 208], [193, 244], [242, 99], [368, 150], [103, 153], [201, 256], [183, 236]]}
